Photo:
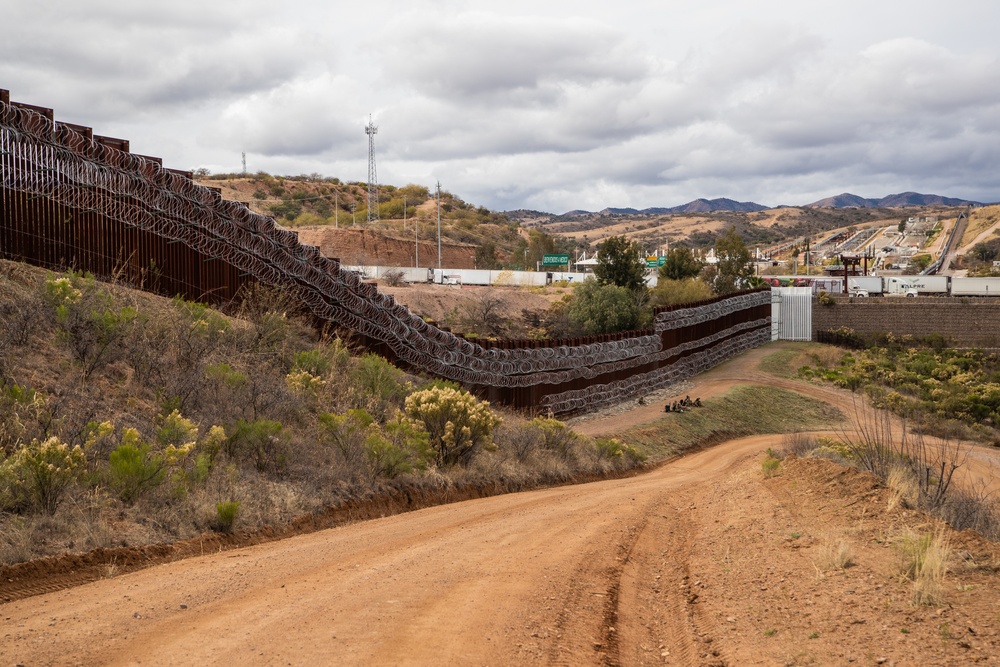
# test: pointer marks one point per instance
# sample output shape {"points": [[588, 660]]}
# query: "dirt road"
{"points": [[525, 577], [702, 561]]}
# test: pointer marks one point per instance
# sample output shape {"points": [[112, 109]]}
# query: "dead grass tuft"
{"points": [[904, 489], [835, 553], [923, 560]]}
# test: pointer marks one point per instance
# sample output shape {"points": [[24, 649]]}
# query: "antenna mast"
{"points": [[371, 130]]}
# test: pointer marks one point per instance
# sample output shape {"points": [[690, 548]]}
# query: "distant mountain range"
{"points": [[845, 200], [848, 200]]}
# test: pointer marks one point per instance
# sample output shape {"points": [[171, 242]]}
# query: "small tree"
{"points": [[733, 270], [984, 252], [620, 262], [680, 263], [598, 309], [486, 256]]}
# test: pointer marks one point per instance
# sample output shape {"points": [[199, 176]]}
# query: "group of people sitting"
{"points": [[682, 405]]}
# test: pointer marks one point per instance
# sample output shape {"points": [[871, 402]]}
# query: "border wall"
{"points": [[70, 199]]}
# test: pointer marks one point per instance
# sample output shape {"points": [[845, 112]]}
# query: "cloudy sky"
{"points": [[543, 104]]}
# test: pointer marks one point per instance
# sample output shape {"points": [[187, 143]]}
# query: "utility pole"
{"points": [[439, 221], [336, 209], [244, 163]]}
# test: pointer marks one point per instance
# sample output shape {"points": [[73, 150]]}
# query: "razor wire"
{"points": [[685, 317], [53, 161], [599, 395]]}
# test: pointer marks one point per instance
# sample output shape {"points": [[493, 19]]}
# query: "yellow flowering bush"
{"points": [[457, 424], [40, 473]]}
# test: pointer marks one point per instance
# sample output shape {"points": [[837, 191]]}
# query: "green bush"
{"points": [[226, 513], [88, 320], [600, 309], [770, 466], [555, 436], [347, 433], [259, 441], [135, 467]]}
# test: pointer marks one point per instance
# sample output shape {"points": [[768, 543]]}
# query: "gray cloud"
{"points": [[552, 105]]}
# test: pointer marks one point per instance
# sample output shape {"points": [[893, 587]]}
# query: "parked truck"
{"points": [[864, 285]]}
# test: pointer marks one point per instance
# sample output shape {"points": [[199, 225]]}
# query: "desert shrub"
{"points": [[89, 321], [458, 424], [135, 468], [226, 393], [314, 361], [305, 385], [616, 451], [411, 442], [770, 466], [346, 433], [393, 278], [384, 458], [197, 333], [21, 315], [555, 436], [40, 473], [904, 489], [798, 443], [518, 438], [260, 442], [382, 385], [25, 415], [226, 513], [673, 292]]}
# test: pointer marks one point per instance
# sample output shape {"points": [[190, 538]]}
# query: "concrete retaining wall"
{"points": [[969, 322]]}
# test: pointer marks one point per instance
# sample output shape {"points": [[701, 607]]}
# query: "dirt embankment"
{"points": [[356, 247]]}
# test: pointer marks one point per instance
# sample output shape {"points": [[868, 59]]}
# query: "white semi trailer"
{"points": [[914, 285]]}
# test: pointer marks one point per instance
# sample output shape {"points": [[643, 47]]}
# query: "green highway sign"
{"points": [[653, 262], [554, 260]]}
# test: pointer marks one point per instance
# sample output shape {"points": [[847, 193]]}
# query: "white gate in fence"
{"points": [[791, 313]]}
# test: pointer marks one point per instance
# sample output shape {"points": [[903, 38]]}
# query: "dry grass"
{"points": [[904, 488], [923, 560], [799, 444], [835, 553]]}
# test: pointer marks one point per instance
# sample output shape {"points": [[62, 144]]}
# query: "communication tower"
{"points": [[371, 130]]}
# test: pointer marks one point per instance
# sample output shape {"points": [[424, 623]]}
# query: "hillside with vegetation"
{"points": [[311, 204], [128, 419]]}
